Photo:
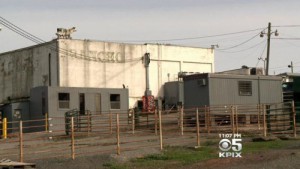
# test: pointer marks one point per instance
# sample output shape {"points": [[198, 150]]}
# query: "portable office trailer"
{"points": [[223, 89], [56, 101]]}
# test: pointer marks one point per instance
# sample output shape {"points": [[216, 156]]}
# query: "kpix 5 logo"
{"points": [[230, 145]]}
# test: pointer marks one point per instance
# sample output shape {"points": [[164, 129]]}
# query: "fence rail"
{"points": [[116, 132]]}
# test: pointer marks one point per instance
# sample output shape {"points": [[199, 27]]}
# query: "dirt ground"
{"points": [[272, 159], [287, 158]]}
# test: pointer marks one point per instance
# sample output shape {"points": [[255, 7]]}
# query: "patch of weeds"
{"points": [[252, 147], [115, 166], [181, 155], [211, 143]]}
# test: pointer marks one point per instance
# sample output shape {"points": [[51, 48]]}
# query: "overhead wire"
{"points": [[190, 38], [38, 40], [261, 55], [244, 42], [242, 49], [22, 30]]}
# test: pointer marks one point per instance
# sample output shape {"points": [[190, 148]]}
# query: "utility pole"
{"points": [[269, 43], [292, 67], [268, 48]]}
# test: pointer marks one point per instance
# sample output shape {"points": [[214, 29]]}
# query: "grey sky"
{"points": [[142, 20]]}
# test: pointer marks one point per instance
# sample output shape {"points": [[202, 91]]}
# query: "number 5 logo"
{"points": [[236, 145]]}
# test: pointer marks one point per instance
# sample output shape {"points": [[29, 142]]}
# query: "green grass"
{"points": [[181, 156], [170, 156], [253, 147]]}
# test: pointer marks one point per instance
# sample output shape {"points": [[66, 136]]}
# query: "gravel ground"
{"points": [[287, 158]]}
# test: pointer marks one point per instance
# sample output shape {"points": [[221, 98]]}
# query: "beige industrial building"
{"points": [[95, 64]]}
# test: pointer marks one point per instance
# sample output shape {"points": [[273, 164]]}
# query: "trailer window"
{"points": [[64, 100], [245, 88], [115, 101]]}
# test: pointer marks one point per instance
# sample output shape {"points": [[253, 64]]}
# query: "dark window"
{"points": [[81, 103], [64, 100], [115, 101], [245, 88]]}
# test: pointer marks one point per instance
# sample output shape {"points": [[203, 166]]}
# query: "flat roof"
{"points": [[230, 76]]}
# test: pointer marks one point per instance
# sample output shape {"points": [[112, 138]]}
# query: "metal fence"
{"points": [[116, 132]]}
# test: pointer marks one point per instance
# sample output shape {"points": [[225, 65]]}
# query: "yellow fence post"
{"points": [[294, 119], [198, 128], [133, 121], [110, 122], [160, 130], [208, 119], [21, 141], [4, 128], [236, 120], [46, 122], [205, 118], [72, 139], [118, 134], [264, 121], [258, 115], [155, 121], [181, 120], [232, 119]]}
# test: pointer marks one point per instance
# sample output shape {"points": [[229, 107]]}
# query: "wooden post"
{"points": [[160, 130], [198, 128], [118, 134], [181, 120], [4, 128], [264, 121], [89, 123], [155, 121], [110, 122], [72, 139], [205, 118], [236, 120], [46, 122], [258, 115], [232, 119], [21, 141], [208, 120], [133, 121], [294, 119]]}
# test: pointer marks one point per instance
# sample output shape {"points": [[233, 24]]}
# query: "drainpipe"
{"points": [[146, 63]]}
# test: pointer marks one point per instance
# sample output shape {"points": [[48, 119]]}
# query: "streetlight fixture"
{"points": [[269, 42]]}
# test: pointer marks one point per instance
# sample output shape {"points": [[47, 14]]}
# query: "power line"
{"points": [[189, 38], [281, 26], [241, 43], [21, 31], [37, 40], [251, 47], [287, 38]]}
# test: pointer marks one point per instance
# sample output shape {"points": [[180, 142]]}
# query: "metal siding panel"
{"points": [[195, 95], [271, 91], [225, 91]]}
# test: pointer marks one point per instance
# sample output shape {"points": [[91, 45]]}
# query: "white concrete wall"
{"points": [[22, 69], [104, 64]]}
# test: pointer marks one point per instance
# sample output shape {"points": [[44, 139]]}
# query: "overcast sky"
{"points": [[155, 20]]}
